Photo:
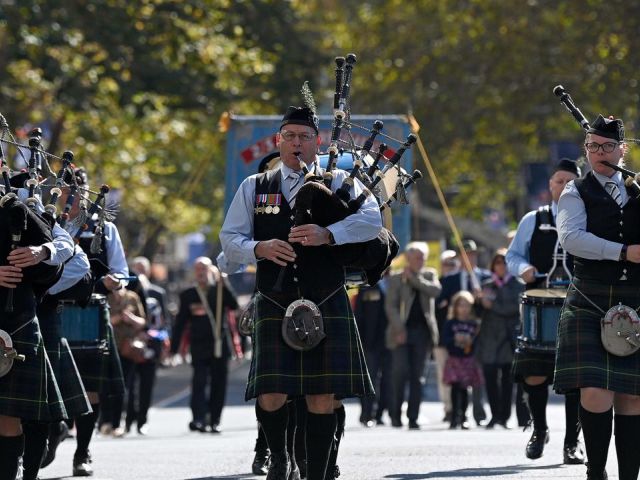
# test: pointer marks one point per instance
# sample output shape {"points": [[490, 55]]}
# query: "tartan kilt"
{"points": [[101, 371], [336, 366], [30, 391], [532, 364], [581, 360], [464, 371], [63, 364]]}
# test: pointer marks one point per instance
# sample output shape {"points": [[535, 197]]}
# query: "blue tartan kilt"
{"points": [[29, 390], [100, 369], [581, 360], [63, 364], [336, 366]]}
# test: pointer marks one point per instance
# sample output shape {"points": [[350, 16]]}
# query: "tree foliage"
{"points": [[136, 88]]}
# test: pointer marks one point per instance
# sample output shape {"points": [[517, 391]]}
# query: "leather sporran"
{"points": [[620, 331], [247, 318], [7, 353], [302, 326]]}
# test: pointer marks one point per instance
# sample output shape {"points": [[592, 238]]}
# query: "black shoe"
{"points": [[214, 429], [334, 474], [396, 422], [54, 440], [464, 425], [592, 475], [82, 465], [492, 423], [260, 465], [536, 443], [379, 421], [413, 425], [280, 467], [197, 427], [573, 455]]}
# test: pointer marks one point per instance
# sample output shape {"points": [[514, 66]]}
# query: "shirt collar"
{"points": [[616, 177], [314, 167]]}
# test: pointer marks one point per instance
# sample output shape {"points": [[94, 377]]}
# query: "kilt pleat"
{"points": [[581, 360], [532, 364], [101, 372], [337, 365], [30, 391], [63, 364]]}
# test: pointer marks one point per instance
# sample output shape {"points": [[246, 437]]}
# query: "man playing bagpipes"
{"points": [[304, 337]]}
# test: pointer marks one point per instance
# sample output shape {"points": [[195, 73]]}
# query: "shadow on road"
{"points": [[472, 472]]}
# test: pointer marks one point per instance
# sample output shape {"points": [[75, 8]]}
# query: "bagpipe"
{"points": [[37, 181], [315, 201], [631, 179]]}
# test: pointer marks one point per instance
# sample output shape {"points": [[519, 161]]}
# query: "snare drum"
{"points": [[540, 315], [86, 328]]}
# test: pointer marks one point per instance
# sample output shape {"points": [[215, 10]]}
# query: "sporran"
{"points": [[620, 331], [302, 326]]}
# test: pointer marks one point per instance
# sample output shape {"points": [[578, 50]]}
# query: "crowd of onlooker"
{"points": [[466, 323]]}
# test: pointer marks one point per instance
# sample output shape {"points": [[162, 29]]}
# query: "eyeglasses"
{"points": [[607, 147], [288, 136]]}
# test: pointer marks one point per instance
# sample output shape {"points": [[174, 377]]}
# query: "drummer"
{"points": [[530, 257]]}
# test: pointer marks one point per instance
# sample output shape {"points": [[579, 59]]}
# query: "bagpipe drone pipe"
{"points": [[317, 204]]}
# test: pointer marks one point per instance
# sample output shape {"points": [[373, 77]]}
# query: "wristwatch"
{"points": [[332, 241], [623, 254]]}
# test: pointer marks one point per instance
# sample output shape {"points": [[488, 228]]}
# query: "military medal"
{"points": [[276, 209], [268, 209]]}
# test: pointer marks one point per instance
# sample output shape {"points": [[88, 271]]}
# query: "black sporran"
{"points": [[302, 326]]}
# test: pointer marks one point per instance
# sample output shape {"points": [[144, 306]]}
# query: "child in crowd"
{"points": [[461, 369]]}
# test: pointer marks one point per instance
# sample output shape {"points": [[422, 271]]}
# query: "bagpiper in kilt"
{"points": [[40, 435], [28, 391], [530, 255], [101, 373], [598, 224], [259, 225]]}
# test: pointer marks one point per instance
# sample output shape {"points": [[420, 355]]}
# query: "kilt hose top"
{"points": [[29, 391], [337, 365]]}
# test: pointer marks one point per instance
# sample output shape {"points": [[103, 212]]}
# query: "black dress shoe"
{"points": [[280, 467], [464, 425], [82, 465], [260, 465], [593, 475], [55, 439], [379, 421], [492, 423], [214, 429], [197, 427], [396, 422], [536, 443], [573, 455], [413, 425], [332, 475]]}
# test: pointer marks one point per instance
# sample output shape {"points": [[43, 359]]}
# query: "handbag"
{"points": [[620, 331]]}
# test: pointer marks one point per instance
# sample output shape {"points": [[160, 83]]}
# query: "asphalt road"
{"points": [[171, 452]]}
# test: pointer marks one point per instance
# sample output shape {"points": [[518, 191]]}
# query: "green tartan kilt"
{"points": [[64, 366], [581, 360], [30, 391], [532, 364], [336, 366]]}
